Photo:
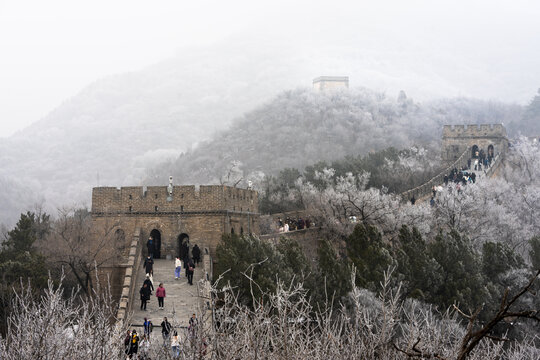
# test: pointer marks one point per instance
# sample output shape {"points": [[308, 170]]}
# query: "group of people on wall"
{"points": [[148, 284], [133, 342], [292, 224], [137, 347], [479, 161]]}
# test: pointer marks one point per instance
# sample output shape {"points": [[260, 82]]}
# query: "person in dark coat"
{"points": [[149, 265], [196, 254], [148, 282], [190, 269], [150, 247], [186, 262], [145, 296], [127, 342], [166, 328]]}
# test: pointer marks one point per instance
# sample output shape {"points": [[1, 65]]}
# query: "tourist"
{"points": [[144, 345], [160, 294], [127, 342], [193, 323], [177, 268], [148, 326], [166, 328], [145, 296], [186, 262], [413, 200], [175, 345], [190, 266], [196, 252], [148, 282], [134, 344], [150, 247], [149, 265]]}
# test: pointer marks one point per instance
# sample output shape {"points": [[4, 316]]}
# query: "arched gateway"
{"points": [[176, 216]]}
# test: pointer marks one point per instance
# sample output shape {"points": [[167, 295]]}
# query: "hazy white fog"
{"points": [[487, 49]]}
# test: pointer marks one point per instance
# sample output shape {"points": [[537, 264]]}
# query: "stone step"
{"points": [[181, 299]]}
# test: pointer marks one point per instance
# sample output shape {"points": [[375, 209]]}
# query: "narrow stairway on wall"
{"points": [[181, 299]]}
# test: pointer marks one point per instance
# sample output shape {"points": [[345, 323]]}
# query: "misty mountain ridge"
{"points": [[117, 129]]}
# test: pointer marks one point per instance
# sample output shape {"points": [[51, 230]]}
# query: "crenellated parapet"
{"points": [[482, 130], [157, 199]]}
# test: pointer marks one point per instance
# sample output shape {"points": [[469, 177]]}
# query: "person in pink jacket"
{"points": [[160, 293]]}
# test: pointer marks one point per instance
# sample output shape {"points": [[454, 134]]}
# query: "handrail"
{"points": [[426, 187]]}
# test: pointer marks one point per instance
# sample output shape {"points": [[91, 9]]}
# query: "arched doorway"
{"points": [[156, 235], [183, 246], [475, 152], [491, 152], [232, 230]]}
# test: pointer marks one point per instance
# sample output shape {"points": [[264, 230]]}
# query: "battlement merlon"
{"points": [[482, 130], [185, 198]]}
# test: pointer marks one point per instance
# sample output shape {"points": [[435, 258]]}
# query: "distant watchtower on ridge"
{"points": [[323, 83], [491, 138]]}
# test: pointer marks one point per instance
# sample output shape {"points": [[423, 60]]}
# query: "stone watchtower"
{"points": [[323, 83], [457, 139], [177, 217]]}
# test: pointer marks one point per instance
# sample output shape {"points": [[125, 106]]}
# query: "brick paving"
{"points": [[181, 299]]}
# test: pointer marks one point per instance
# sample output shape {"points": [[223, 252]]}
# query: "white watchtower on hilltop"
{"points": [[323, 83]]}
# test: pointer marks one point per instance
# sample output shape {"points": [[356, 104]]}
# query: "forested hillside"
{"points": [[130, 129], [302, 127]]}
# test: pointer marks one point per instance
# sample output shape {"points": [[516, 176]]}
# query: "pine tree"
{"points": [[370, 256]]}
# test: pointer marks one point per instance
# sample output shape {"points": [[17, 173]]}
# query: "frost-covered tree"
{"points": [[56, 326], [338, 203]]}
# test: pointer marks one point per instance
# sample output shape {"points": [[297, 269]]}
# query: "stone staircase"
{"points": [[181, 300]]}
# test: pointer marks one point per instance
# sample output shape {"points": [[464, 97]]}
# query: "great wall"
{"points": [[181, 216]]}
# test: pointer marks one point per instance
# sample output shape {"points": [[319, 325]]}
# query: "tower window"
{"points": [[156, 208], [130, 208]]}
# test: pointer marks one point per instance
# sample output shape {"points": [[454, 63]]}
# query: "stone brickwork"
{"points": [[201, 215], [457, 139]]}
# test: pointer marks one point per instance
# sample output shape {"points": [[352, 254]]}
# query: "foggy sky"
{"points": [[49, 50]]}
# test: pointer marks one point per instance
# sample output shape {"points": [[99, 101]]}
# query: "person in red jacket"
{"points": [[160, 293]]}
